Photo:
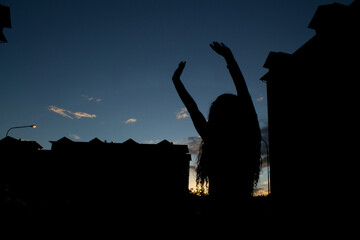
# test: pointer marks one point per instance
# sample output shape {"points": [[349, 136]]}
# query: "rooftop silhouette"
{"points": [[94, 176]]}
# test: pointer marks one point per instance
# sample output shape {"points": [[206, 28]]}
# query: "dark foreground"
{"points": [[188, 213], [190, 218]]}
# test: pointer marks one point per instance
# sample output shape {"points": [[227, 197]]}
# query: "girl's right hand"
{"points": [[179, 71]]}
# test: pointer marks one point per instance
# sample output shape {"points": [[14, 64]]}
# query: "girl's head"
{"points": [[224, 111]]}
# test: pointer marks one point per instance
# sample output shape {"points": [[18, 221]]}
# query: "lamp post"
{"points": [[31, 126]]}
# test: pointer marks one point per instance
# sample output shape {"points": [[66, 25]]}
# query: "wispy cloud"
{"points": [[260, 99], [193, 143], [79, 115], [131, 120], [152, 141], [70, 114], [262, 188], [74, 136], [260, 191], [60, 111], [182, 114], [91, 98]]}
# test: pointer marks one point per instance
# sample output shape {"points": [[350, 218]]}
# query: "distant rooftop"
{"points": [[10, 142], [96, 140]]}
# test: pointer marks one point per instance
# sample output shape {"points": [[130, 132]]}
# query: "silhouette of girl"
{"points": [[229, 159]]}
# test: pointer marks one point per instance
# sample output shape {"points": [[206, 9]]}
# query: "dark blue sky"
{"points": [[91, 68]]}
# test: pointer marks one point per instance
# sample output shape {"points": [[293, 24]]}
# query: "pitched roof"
{"points": [[130, 141], [8, 140], [17, 142], [164, 142], [31, 144], [96, 140], [62, 140]]}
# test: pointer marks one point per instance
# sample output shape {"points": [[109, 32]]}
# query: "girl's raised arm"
{"points": [[195, 114], [238, 78]]}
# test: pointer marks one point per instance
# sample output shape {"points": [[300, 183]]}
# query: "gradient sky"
{"points": [[94, 68]]}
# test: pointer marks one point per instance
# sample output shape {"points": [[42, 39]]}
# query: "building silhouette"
{"points": [[311, 101], [11, 144], [5, 21], [94, 177]]}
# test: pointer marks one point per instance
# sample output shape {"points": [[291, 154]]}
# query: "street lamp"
{"points": [[31, 126]]}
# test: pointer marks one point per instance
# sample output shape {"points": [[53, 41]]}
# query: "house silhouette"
{"points": [[11, 144], [95, 177], [311, 97]]}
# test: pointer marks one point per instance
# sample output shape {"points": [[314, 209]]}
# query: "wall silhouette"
{"points": [[311, 97], [92, 178]]}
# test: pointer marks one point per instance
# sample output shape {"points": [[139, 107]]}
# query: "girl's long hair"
{"points": [[202, 175], [225, 132]]}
